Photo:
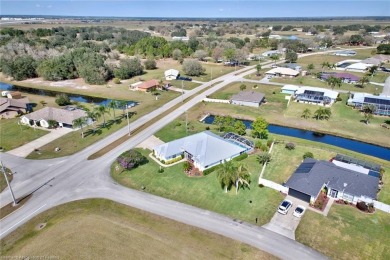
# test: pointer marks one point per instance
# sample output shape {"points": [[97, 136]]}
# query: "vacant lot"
{"points": [[205, 192], [102, 229], [347, 233]]}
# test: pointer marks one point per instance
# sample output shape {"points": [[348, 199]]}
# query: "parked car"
{"points": [[384, 69], [298, 212], [274, 66], [184, 78], [285, 207]]}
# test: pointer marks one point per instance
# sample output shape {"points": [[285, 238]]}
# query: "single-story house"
{"points": [[345, 77], [293, 66], [148, 85], [64, 117], [289, 89], [282, 72], [248, 98], [382, 103], [358, 66], [373, 61], [312, 176], [345, 53], [204, 149], [270, 53], [14, 95], [171, 74], [316, 95], [9, 108], [383, 58]]}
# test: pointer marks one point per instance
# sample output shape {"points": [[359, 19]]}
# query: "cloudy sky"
{"points": [[197, 8]]}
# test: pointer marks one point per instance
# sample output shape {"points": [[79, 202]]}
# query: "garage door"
{"points": [[299, 195]]}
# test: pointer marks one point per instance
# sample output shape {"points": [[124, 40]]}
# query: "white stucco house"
{"points": [[64, 117], [204, 149], [282, 72], [171, 74]]}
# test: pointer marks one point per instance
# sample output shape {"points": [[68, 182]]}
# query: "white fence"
{"points": [[273, 185], [382, 206], [216, 100]]}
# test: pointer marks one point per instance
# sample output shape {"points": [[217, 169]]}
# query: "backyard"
{"points": [[347, 233], [119, 232], [204, 192]]}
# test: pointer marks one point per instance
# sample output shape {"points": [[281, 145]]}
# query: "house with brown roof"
{"points": [[248, 98], [64, 117], [147, 86], [9, 108], [14, 95]]}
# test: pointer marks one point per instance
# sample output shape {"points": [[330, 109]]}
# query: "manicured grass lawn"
{"points": [[347, 233], [284, 162], [102, 229], [14, 135], [3, 183], [204, 192]]}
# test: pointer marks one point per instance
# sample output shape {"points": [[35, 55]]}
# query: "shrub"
{"points": [[339, 98], [131, 159], [207, 128], [290, 146], [209, 170], [193, 68], [308, 155], [116, 81], [361, 205], [161, 170], [269, 142], [263, 157], [62, 100], [150, 64], [187, 166], [178, 158], [241, 157]]}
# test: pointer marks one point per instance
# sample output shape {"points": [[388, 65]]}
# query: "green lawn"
{"points": [[3, 183], [14, 135], [347, 233], [103, 229], [204, 192]]}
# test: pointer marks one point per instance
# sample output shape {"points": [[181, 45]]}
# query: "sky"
{"points": [[197, 8]]}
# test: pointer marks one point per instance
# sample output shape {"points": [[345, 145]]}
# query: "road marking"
{"points": [[17, 223]]}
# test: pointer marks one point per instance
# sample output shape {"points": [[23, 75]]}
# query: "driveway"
{"points": [[286, 224], [28, 148], [150, 143]]}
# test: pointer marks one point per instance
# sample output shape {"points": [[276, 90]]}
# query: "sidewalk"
{"points": [[26, 149]]}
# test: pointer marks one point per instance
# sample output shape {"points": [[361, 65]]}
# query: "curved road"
{"points": [[57, 181]]}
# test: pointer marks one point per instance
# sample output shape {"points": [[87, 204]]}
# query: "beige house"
{"points": [[282, 72], [9, 108]]}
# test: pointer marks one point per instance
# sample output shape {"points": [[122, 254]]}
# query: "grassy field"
{"points": [[204, 192], [347, 233], [102, 229], [14, 135]]}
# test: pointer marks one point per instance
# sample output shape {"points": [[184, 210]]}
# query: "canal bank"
{"points": [[345, 143]]}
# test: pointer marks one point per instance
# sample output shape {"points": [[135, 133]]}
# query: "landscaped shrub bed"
{"points": [[321, 201], [131, 159]]}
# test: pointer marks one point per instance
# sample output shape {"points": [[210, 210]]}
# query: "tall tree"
{"points": [[258, 69], [274, 57], [241, 176], [333, 82], [102, 110], [310, 68], [306, 113], [225, 173], [79, 123], [363, 80], [113, 105], [368, 111], [259, 128]]}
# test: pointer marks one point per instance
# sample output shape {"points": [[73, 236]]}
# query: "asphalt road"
{"points": [[386, 88], [57, 181]]}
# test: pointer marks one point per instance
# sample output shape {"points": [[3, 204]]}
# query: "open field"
{"points": [[204, 192], [14, 135], [347, 233], [118, 232]]}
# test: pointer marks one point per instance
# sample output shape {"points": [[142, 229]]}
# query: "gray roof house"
{"points": [[340, 183], [248, 98], [64, 117], [204, 150], [293, 66]]}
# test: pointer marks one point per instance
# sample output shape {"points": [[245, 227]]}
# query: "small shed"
{"points": [[289, 89], [248, 98], [171, 74]]}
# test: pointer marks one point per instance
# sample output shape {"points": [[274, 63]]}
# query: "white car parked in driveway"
{"points": [[285, 206], [298, 212]]}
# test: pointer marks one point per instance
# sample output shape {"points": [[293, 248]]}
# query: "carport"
{"points": [[299, 195]]}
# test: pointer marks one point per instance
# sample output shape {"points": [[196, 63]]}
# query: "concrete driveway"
{"points": [[286, 224]]}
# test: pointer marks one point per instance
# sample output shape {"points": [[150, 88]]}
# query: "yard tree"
{"points": [[363, 80], [113, 105], [368, 111], [322, 113], [192, 67], [239, 127], [150, 64], [241, 176], [310, 68], [242, 87], [326, 64], [291, 56], [225, 173], [122, 104], [79, 123], [217, 53], [333, 82], [383, 48], [372, 70], [200, 54], [229, 53], [102, 110], [177, 54], [258, 69], [259, 128], [306, 113], [62, 100]]}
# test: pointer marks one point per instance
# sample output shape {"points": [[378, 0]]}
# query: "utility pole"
{"points": [[9, 185], [186, 122], [128, 121], [182, 91]]}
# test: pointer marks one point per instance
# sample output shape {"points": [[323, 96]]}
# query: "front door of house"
{"points": [[333, 193]]}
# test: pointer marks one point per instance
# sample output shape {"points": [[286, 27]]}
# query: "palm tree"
{"points": [[274, 57], [327, 113], [122, 104], [363, 80], [225, 174], [333, 81], [113, 105], [101, 110], [79, 123], [241, 176], [306, 113], [372, 70], [310, 68], [368, 110], [322, 113]]}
